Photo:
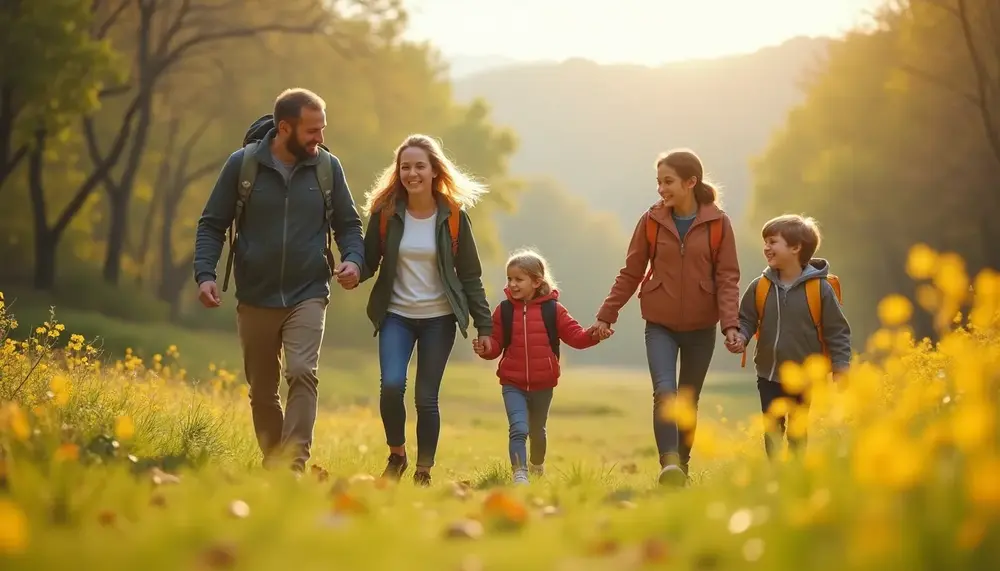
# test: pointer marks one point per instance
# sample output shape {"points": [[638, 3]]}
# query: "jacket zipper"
{"points": [[777, 334], [284, 239], [524, 323]]}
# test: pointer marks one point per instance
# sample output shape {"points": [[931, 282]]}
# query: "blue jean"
{"points": [[527, 412], [662, 348], [434, 339]]}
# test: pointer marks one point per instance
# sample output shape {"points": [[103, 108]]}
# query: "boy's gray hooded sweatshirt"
{"points": [[787, 332]]}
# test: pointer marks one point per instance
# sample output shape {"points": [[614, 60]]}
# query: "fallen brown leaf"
{"points": [[654, 551], [344, 503], [602, 547], [220, 556], [319, 473], [504, 510], [107, 518], [158, 500]]}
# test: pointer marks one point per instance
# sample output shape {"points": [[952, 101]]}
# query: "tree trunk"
{"points": [[119, 204], [45, 259], [45, 240], [172, 286], [120, 194]]}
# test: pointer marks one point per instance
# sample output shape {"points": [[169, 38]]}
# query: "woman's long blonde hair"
{"points": [[450, 181], [536, 266]]}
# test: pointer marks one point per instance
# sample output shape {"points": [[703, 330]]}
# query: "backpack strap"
{"points": [[248, 174], [324, 176], [760, 300], [652, 233], [506, 321], [715, 229], [551, 324], [454, 222], [814, 296]]}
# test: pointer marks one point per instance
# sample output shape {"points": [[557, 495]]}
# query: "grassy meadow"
{"points": [[125, 462]]}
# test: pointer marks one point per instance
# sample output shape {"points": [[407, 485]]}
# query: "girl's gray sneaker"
{"points": [[672, 475], [520, 477]]}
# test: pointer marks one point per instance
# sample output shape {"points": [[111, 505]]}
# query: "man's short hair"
{"points": [[796, 231], [288, 106]]}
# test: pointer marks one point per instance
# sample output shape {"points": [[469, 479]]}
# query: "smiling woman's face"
{"points": [[415, 170]]}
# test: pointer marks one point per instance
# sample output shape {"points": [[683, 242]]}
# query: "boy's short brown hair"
{"points": [[796, 231]]}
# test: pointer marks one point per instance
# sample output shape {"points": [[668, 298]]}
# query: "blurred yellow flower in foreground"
{"points": [[14, 420], [124, 428], [13, 528], [894, 310], [60, 387], [983, 481], [921, 262]]}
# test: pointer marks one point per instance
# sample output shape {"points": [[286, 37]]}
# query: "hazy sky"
{"points": [[637, 31]]}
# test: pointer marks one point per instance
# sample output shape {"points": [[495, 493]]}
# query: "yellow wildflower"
{"points": [[13, 528]]}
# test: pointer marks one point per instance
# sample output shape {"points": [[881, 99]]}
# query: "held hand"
{"points": [[208, 294], [600, 330], [348, 275], [735, 341], [477, 346], [485, 344]]}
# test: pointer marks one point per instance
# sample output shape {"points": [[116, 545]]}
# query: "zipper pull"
{"points": [[682, 248]]}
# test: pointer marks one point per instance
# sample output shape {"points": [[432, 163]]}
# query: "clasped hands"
{"points": [[348, 275]]}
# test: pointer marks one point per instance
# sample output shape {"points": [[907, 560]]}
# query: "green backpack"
{"points": [[248, 174]]}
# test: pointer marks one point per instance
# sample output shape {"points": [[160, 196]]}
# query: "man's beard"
{"points": [[298, 150]]}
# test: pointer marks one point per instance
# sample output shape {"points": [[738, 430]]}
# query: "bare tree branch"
{"points": [[982, 79], [104, 27], [250, 32], [941, 82]]}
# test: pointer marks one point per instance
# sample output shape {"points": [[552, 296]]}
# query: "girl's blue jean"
{"points": [[663, 347], [527, 412], [434, 339]]}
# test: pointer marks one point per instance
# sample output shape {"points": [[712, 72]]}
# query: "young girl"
{"points": [[527, 328]]}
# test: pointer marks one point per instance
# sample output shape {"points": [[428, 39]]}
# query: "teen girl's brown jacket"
{"points": [[682, 293]]}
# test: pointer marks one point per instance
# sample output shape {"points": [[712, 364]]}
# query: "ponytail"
{"points": [[705, 193]]}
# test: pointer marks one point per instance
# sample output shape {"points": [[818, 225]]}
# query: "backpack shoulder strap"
{"points": [[454, 225], [814, 292], [834, 282], [506, 321], [760, 293], [814, 297], [248, 174], [549, 309], [324, 176], [652, 233], [715, 230], [760, 296]]}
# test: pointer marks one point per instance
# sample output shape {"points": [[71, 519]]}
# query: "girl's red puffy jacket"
{"points": [[529, 362]]}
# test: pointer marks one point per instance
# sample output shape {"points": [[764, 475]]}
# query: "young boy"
{"points": [[794, 281]]}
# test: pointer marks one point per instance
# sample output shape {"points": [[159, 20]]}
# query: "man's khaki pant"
{"points": [[264, 333]]}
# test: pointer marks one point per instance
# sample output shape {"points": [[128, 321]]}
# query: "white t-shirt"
{"points": [[417, 292]]}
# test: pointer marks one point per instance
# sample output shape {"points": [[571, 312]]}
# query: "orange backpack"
{"points": [[453, 225], [714, 242], [813, 297]]}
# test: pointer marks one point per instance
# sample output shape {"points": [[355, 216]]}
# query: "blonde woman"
{"points": [[430, 284]]}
